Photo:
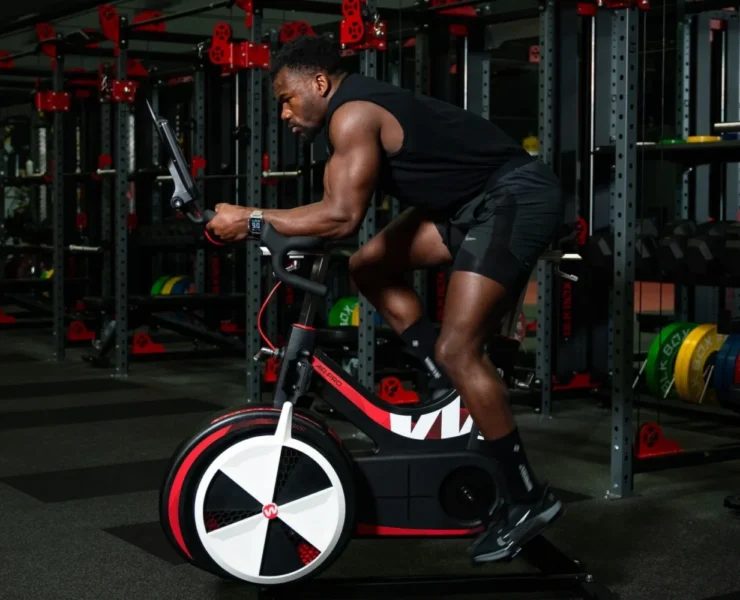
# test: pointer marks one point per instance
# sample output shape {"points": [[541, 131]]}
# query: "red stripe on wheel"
{"points": [[173, 505]]}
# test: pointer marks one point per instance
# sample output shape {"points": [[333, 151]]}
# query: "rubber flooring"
{"points": [[83, 455]]}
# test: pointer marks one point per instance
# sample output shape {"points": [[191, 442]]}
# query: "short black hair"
{"points": [[308, 53]]}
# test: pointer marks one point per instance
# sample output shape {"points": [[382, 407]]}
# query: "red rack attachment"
{"points": [[290, 31], [196, 165], [240, 55], [359, 30], [248, 7], [51, 101], [145, 16], [45, 33], [461, 11]]}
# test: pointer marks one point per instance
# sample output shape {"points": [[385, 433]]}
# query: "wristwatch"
{"points": [[255, 223]]}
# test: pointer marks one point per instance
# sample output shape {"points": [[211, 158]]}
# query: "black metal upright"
{"points": [[122, 137], [625, 41], [58, 219], [253, 167], [421, 87], [706, 299], [366, 328], [545, 288], [271, 191], [198, 150], [683, 128]]}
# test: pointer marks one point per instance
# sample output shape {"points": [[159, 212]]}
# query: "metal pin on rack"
{"points": [[670, 387], [282, 174], [707, 378], [639, 374]]}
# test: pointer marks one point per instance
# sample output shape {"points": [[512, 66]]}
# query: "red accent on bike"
{"points": [[306, 327], [307, 553], [213, 241], [377, 414], [173, 504], [382, 531], [262, 310]]}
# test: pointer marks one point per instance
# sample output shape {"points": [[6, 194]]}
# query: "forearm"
{"points": [[316, 220]]}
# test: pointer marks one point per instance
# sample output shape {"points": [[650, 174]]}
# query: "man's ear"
{"points": [[322, 84]]}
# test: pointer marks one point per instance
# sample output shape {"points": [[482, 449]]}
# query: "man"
{"points": [[477, 202]]}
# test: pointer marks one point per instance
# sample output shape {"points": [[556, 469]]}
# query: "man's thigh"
{"points": [[508, 232], [411, 241]]}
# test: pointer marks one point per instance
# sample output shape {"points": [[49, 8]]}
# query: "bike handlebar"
{"points": [[279, 247]]}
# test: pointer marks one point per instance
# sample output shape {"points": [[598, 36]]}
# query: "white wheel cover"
{"points": [[253, 465]]}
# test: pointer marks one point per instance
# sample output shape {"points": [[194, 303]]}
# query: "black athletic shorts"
{"points": [[501, 233]]}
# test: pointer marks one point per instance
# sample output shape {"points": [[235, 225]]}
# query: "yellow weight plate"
{"points": [[697, 353], [699, 139], [167, 287]]}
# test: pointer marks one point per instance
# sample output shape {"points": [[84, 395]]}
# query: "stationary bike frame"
{"points": [[400, 475], [409, 442]]}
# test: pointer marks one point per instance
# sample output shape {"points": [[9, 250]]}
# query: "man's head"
{"points": [[305, 73]]}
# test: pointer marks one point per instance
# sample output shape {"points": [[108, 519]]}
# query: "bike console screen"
{"points": [[185, 192]]}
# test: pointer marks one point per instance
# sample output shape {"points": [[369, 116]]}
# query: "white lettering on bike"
{"points": [[450, 423]]}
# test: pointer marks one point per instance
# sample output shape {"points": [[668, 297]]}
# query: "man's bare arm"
{"points": [[350, 179]]}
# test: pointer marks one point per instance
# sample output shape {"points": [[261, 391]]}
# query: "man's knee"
{"points": [[454, 353]]}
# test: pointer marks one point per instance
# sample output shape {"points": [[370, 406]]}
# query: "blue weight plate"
{"points": [[181, 287], [718, 378], [733, 136], [724, 380]]}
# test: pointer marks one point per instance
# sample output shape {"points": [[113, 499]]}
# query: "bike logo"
{"points": [[270, 511]]}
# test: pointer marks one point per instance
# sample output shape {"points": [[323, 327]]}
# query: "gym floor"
{"points": [[83, 456]]}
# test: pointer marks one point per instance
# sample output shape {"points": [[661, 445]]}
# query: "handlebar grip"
{"points": [[206, 217]]}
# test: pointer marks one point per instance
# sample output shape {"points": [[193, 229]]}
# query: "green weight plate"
{"points": [[157, 287], [340, 314], [662, 354], [673, 141]]}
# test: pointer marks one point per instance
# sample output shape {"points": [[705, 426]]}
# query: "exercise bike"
{"points": [[271, 495]]}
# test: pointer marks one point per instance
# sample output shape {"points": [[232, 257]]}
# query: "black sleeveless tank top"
{"points": [[448, 153]]}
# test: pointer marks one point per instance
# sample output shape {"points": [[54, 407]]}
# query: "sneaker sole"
{"points": [[534, 528]]}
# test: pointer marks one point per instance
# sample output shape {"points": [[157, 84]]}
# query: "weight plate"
{"points": [[167, 288], [673, 141], [356, 317], [697, 353], [731, 137], [159, 284], [732, 389], [661, 357], [181, 287], [340, 314], [724, 369], [701, 139]]}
